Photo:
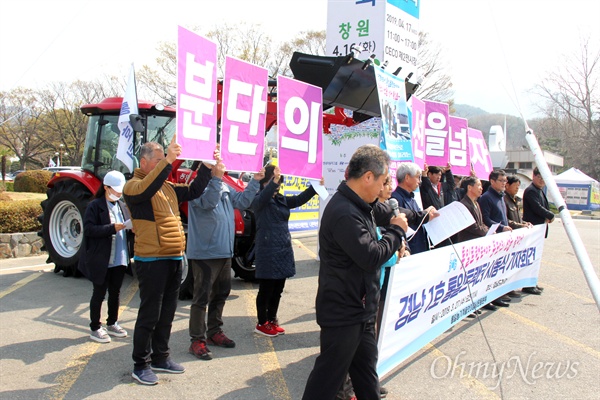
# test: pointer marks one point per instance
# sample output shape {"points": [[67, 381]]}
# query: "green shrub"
{"points": [[7, 186], [20, 216], [35, 181]]}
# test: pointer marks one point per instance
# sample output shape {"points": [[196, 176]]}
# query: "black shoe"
{"points": [[500, 303], [383, 392], [531, 290], [513, 294], [490, 306], [506, 298], [541, 289]]}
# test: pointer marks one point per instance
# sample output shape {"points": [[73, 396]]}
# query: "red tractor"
{"points": [[346, 82]]}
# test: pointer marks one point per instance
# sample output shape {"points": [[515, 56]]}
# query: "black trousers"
{"points": [[112, 283], [348, 349], [159, 290], [267, 300]]}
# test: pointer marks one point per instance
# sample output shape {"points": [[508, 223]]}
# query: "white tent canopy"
{"points": [[574, 176]]}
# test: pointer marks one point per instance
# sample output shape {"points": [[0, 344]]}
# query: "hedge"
{"points": [[20, 216], [34, 181]]}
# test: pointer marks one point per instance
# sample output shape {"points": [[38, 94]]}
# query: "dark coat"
{"points": [[419, 242], [97, 240], [513, 211], [478, 229], [274, 252], [535, 206], [430, 198], [493, 209], [351, 257]]}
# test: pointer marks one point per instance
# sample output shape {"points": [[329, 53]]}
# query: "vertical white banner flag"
{"points": [[129, 106]]}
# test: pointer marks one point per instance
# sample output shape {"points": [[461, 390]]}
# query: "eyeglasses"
{"points": [[502, 180]]}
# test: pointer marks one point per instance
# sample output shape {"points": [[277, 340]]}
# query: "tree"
{"points": [[571, 100], [22, 128], [437, 84]]}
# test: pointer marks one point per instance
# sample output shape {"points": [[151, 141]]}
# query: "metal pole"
{"points": [[580, 251]]}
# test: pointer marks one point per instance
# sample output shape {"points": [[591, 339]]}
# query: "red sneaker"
{"points": [[219, 339], [266, 330], [280, 330]]}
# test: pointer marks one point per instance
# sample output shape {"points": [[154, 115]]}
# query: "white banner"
{"points": [[128, 107], [430, 292]]}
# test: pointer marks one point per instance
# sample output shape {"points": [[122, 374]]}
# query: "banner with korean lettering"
{"points": [[395, 133], [196, 95], [436, 133], [458, 146], [300, 122], [243, 116], [417, 119], [430, 292], [481, 160]]}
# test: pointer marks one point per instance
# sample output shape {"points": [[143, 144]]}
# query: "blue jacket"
{"points": [[493, 209], [211, 228], [274, 252]]}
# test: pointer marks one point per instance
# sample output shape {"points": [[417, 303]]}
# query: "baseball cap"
{"points": [[115, 180]]}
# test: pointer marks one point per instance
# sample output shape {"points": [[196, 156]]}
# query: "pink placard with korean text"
{"points": [[458, 146], [243, 116], [300, 123], [436, 133], [418, 130], [196, 95], [480, 156]]}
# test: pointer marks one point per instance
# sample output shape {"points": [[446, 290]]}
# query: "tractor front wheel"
{"points": [[62, 224]]}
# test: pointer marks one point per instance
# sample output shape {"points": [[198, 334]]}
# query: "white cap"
{"points": [[115, 180]]}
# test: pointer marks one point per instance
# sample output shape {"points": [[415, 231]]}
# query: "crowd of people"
{"points": [[361, 236]]}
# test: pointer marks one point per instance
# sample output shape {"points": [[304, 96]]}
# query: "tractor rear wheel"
{"points": [[62, 224]]}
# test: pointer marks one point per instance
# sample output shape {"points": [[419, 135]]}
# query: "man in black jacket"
{"points": [[536, 211], [351, 258]]}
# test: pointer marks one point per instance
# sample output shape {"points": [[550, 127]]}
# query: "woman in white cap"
{"points": [[106, 253]]}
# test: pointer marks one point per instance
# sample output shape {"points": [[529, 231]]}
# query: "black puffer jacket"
{"points": [[351, 258], [274, 252]]}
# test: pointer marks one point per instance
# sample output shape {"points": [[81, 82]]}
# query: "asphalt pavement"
{"points": [[544, 346]]}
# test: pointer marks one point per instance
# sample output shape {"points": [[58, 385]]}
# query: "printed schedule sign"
{"points": [[389, 29]]}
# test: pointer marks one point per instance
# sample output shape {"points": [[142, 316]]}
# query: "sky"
{"points": [[495, 50]]}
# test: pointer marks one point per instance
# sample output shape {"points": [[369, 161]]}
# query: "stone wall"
{"points": [[14, 245]]}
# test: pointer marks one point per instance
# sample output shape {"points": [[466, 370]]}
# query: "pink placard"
{"points": [[458, 146], [300, 123], [480, 156], [243, 116], [418, 130], [436, 133], [196, 95]]}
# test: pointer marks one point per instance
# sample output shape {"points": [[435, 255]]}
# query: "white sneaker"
{"points": [[116, 331], [100, 335]]}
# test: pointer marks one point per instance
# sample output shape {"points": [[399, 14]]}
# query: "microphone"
{"points": [[394, 204]]}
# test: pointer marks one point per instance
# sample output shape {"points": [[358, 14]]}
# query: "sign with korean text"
{"points": [[480, 156], [355, 26], [243, 116], [430, 292], [196, 95], [386, 28], [395, 135], [458, 146], [437, 125], [300, 122], [418, 130]]}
